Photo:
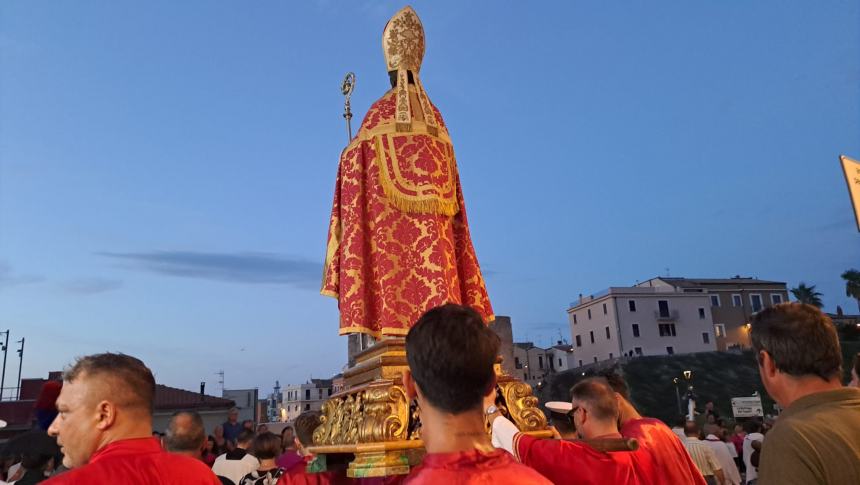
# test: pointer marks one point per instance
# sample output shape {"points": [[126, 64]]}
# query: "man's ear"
{"points": [[105, 415], [409, 385], [767, 365], [491, 389]]}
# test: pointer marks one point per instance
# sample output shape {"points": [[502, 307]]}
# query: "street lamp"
{"points": [[677, 395], [690, 397]]}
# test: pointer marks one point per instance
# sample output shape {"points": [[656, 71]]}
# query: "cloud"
{"points": [[248, 268], [8, 278], [91, 286]]}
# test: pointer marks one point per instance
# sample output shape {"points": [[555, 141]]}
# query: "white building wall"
{"points": [[612, 310]]}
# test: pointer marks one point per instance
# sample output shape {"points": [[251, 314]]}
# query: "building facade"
{"points": [[533, 364], [636, 321], [732, 302], [309, 396]]}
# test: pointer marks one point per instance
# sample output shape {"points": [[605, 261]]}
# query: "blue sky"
{"points": [[167, 168]]}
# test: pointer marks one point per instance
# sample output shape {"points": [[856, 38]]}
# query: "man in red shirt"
{"points": [[661, 457], [104, 428], [595, 415], [451, 353]]}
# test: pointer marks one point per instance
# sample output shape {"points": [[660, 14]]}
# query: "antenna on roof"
{"points": [[220, 375]]}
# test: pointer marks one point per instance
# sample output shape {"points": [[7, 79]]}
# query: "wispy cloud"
{"points": [[251, 268], [9, 278], [91, 286]]}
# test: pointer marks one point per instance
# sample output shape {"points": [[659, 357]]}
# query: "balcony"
{"points": [[669, 316]]}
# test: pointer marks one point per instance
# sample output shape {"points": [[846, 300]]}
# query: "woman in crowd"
{"points": [[266, 446]]}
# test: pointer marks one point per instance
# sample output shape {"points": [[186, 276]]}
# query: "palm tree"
{"points": [[852, 284], [807, 294]]}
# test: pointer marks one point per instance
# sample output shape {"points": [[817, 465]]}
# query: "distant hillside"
{"points": [[717, 376]]}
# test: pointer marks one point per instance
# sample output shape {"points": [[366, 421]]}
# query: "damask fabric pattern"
{"points": [[398, 241]]}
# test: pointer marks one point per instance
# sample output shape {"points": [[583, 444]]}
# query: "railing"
{"points": [[669, 316]]}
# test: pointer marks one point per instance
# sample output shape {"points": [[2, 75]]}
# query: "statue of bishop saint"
{"points": [[398, 240]]}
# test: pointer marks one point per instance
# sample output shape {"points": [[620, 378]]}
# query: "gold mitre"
{"points": [[403, 47]]}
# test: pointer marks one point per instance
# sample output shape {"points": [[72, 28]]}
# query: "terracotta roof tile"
{"points": [[172, 398]]}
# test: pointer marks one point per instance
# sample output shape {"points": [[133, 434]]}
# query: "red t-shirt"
{"points": [[473, 467], [564, 461], [661, 457], [137, 461], [297, 474]]}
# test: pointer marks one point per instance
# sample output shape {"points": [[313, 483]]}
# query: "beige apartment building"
{"points": [[309, 396], [732, 302], [640, 320], [533, 364]]}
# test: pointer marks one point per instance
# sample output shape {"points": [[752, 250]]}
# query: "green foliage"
{"points": [[717, 377], [807, 294], [852, 284]]}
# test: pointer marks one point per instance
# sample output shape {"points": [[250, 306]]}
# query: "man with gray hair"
{"points": [[186, 434], [104, 427]]}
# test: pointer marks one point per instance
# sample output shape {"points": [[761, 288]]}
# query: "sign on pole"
{"points": [[747, 407], [851, 168]]}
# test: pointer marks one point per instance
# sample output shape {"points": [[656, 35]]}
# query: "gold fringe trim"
{"points": [[426, 205]]}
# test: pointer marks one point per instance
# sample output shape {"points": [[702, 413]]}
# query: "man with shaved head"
{"points": [[186, 434], [104, 427]]}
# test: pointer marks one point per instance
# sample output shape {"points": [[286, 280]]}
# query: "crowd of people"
{"points": [[103, 424]]}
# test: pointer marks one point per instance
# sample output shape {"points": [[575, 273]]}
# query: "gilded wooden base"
{"points": [[374, 420]]}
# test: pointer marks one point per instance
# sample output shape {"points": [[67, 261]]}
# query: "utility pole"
{"points": [[5, 351], [20, 363]]}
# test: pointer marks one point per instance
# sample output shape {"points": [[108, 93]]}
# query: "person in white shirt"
{"points": [[730, 470], [753, 430], [237, 463]]}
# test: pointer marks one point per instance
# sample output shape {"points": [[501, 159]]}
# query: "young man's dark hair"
{"points": [[800, 339], [616, 382], [752, 426], [305, 425], [245, 437], [266, 446], [185, 433], [451, 353], [130, 381], [599, 396]]}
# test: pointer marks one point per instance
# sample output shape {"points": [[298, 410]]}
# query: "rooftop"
{"points": [[736, 280], [172, 398]]}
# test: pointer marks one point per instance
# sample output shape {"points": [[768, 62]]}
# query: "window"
{"points": [[579, 341], [663, 307], [635, 329], [667, 329], [329, 391], [540, 362], [595, 359], [715, 300], [610, 355], [307, 407], [307, 394], [517, 363], [580, 362], [701, 313], [632, 305], [719, 330], [589, 313], [607, 333], [592, 336], [736, 300], [638, 350], [604, 308], [670, 350], [755, 303], [775, 298], [706, 337], [320, 393], [574, 318], [559, 363]]}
